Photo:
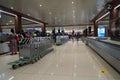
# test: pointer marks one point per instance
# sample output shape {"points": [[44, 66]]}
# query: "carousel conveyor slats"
{"points": [[110, 52]]}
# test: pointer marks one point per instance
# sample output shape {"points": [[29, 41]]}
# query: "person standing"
{"points": [[73, 35], [77, 36], [13, 43]]}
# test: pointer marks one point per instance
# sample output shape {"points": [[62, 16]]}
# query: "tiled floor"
{"points": [[71, 61]]}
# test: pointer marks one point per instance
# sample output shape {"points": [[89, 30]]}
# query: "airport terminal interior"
{"points": [[59, 39]]}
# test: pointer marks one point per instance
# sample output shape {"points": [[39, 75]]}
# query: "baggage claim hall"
{"points": [[59, 39]]}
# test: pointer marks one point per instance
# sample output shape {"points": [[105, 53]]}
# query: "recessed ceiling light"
{"points": [[10, 21], [72, 2], [50, 13], [11, 7], [6, 23], [40, 5], [28, 14]]}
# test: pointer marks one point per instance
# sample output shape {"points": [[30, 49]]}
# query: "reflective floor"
{"points": [[71, 61]]}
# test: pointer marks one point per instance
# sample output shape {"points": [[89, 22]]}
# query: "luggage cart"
{"points": [[25, 55], [61, 40], [31, 50], [46, 46], [58, 40]]}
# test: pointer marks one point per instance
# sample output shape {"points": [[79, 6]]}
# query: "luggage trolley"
{"points": [[46, 46], [24, 46], [31, 50]]}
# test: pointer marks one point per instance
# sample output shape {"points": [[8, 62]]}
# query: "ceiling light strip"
{"points": [[11, 78], [117, 6], [7, 13], [30, 20], [102, 16]]}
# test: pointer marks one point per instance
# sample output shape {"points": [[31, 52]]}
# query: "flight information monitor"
{"points": [[101, 32]]}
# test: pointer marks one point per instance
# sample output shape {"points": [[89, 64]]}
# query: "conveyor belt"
{"points": [[110, 52]]}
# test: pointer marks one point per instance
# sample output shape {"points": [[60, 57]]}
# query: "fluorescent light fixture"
{"points": [[7, 13], [11, 78], [0, 14], [117, 6], [102, 16], [30, 20]]}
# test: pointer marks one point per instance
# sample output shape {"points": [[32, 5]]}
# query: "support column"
{"points": [[0, 29], [114, 14], [44, 30], [95, 28], [18, 24], [0, 26]]}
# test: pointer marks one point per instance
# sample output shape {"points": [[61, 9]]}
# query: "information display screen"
{"points": [[101, 32]]}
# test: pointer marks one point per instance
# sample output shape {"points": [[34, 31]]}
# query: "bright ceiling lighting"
{"points": [[31, 20], [102, 16], [40, 5], [0, 14], [50, 13], [117, 6], [11, 7], [10, 21], [11, 78], [72, 2], [7, 13], [28, 14]]}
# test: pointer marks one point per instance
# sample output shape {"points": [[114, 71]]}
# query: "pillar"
{"points": [[0, 29], [18, 24], [0, 26], [44, 30], [114, 14], [95, 28]]}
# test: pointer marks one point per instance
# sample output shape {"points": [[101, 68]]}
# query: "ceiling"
{"points": [[56, 12]]}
